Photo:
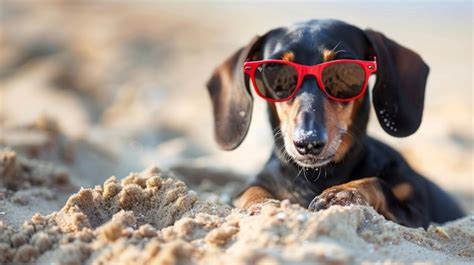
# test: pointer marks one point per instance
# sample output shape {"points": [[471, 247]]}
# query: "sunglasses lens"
{"points": [[276, 80], [343, 80]]}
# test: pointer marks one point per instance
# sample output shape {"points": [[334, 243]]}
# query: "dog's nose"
{"points": [[310, 142]]}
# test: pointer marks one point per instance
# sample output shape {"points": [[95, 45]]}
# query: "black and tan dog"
{"points": [[341, 165]]}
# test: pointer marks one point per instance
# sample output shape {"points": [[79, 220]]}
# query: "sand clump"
{"points": [[150, 198], [153, 218], [30, 186], [18, 173]]}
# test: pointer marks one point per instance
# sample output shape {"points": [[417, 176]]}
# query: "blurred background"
{"points": [[107, 87]]}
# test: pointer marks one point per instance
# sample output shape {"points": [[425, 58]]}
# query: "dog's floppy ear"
{"points": [[231, 97], [398, 94]]}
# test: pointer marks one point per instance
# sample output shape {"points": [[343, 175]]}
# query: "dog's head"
{"points": [[312, 129]]}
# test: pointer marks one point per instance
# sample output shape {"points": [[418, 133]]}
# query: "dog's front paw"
{"points": [[341, 195]]}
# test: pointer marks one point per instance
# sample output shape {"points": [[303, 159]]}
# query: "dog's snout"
{"points": [[310, 142], [310, 136]]}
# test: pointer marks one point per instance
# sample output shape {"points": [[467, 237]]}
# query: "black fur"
{"points": [[286, 180]]}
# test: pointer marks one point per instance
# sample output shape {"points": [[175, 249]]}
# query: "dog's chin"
{"points": [[312, 162]]}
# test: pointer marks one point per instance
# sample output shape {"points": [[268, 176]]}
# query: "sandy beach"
{"points": [[107, 153]]}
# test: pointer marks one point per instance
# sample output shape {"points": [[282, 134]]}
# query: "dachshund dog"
{"points": [[314, 76]]}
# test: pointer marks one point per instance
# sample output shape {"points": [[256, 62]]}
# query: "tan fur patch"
{"points": [[340, 116], [371, 190], [347, 140], [251, 196], [286, 112], [288, 56], [343, 148], [328, 55], [402, 191]]}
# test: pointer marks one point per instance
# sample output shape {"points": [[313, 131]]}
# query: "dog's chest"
{"points": [[298, 186]]}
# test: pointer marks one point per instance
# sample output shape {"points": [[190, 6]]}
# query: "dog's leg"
{"points": [[374, 192], [251, 196]]}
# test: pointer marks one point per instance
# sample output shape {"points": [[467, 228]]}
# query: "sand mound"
{"points": [[18, 173], [143, 202], [154, 200], [152, 218], [30, 186]]}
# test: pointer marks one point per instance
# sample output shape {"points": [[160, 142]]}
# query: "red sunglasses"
{"points": [[341, 80]]}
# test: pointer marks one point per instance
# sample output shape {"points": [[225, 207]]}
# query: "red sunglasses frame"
{"points": [[369, 67]]}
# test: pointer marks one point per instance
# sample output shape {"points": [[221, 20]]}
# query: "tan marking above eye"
{"points": [[328, 55], [288, 56]]}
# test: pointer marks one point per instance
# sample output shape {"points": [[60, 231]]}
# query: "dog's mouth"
{"points": [[312, 161]]}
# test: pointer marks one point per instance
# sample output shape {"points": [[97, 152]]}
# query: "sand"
{"points": [[90, 92], [151, 217]]}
